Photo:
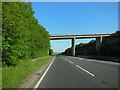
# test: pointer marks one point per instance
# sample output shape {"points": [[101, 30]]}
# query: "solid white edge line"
{"points": [[85, 70], [38, 83]]}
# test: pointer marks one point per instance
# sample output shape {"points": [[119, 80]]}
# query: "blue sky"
{"points": [[76, 18]]}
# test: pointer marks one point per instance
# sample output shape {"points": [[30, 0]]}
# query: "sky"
{"points": [[61, 18], [66, 0]]}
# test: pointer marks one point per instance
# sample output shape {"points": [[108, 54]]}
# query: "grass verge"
{"points": [[0, 75], [0, 78], [13, 76]]}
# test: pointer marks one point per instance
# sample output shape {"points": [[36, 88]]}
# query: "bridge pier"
{"points": [[73, 46], [98, 42]]}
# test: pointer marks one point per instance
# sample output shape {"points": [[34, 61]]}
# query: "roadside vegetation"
{"points": [[22, 36], [108, 50], [51, 52], [14, 76], [0, 46], [23, 39], [0, 77]]}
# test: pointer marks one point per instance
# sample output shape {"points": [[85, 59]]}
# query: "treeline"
{"points": [[51, 52], [109, 47], [22, 36]]}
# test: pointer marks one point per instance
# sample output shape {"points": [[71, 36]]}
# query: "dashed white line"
{"points": [[38, 83], [65, 59], [85, 70], [71, 62], [68, 61]]}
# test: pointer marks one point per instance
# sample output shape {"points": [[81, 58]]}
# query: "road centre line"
{"points": [[38, 83], [85, 70], [65, 59], [68, 61], [71, 62]]}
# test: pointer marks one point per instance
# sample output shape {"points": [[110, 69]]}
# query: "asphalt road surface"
{"points": [[72, 72]]}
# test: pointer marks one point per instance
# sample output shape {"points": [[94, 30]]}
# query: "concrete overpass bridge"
{"points": [[82, 36]]}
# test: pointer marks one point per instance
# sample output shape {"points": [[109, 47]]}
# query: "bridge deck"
{"points": [[80, 36]]}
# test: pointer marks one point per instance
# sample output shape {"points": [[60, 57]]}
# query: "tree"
{"points": [[111, 46], [23, 37], [51, 52]]}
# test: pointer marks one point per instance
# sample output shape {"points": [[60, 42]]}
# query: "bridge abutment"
{"points": [[73, 46]]}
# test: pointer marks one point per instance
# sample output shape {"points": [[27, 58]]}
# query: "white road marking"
{"points": [[68, 61], [38, 83], [71, 62], [85, 70], [65, 59]]}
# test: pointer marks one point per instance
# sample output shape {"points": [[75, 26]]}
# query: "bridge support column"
{"points": [[98, 42], [73, 46]]}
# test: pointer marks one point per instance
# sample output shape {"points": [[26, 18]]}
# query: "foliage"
{"points": [[67, 51], [22, 36], [51, 52], [111, 46], [14, 76], [86, 48], [82, 49]]}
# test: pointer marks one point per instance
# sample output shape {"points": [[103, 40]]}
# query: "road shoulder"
{"points": [[31, 80]]}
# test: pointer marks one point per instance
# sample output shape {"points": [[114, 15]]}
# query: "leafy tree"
{"points": [[111, 46], [22, 37], [51, 52]]}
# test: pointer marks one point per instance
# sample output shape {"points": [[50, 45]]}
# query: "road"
{"points": [[72, 72]]}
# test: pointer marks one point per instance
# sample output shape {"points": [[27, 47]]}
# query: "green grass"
{"points": [[0, 74], [0, 77], [13, 76]]}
